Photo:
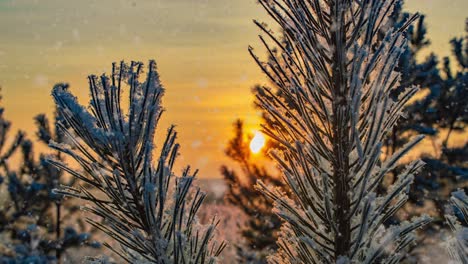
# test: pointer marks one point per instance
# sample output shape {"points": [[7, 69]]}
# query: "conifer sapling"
{"points": [[336, 76], [146, 209]]}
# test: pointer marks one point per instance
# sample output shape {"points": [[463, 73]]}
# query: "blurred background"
{"points": [[200, 47]]}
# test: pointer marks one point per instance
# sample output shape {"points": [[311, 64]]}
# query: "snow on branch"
{"points": [[334, 72], [457, 245], [142, 205]]}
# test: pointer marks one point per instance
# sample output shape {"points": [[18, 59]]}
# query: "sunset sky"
{"points": [[200, 47]]}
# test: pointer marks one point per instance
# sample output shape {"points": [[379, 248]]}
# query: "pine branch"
{"points": [[336, 74], [457, 245], [146, 209]]}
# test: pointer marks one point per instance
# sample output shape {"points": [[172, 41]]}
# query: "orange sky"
{"points": [[200, 47]]}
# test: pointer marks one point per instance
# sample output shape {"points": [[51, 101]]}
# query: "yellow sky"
{"points": [[200, 47]]}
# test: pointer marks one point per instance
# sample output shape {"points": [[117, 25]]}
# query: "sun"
{"points": [[257, 142]]}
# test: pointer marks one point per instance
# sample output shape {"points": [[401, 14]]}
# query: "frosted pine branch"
{"points": [[457, 245], [146, 209], [335, 75]]}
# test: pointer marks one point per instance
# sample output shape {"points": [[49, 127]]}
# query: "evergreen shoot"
{"points": [[336, 76], [457, 245], [144, 207]]}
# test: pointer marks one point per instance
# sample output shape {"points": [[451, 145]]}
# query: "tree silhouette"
{"points": [[447, 169], [33, 216], [260, 231]]}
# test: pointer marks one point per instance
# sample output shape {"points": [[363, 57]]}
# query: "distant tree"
{"points": [[439, 113], [425, 74], [145, 208], [32, 216], [414, 72], [337, 75], [262, 222], [260, 230]]}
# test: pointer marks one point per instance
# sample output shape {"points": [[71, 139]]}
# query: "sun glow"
{"points": [[257, 142]]}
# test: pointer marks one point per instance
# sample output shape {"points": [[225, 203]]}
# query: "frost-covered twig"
{"points": [[457, 245], [146, 209], [336, 75]]}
